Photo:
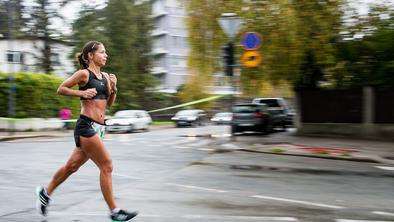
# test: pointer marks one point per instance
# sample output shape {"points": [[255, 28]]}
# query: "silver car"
{"points": [[222, 118], [128, 121]]}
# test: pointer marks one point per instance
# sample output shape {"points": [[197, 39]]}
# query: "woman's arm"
{"points": [[113, 90], [81, 76]]}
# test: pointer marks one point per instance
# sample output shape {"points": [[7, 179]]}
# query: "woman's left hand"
{"points": [[113, 80]]}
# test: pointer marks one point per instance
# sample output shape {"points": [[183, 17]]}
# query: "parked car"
{"points": [[278, 108], [128, 121], [189, 117], [251, 117], [222, 118]]}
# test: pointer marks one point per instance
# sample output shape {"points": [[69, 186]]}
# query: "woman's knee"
{"points": [[107, 166]]}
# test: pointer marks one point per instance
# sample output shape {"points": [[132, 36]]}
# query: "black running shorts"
{"points": [[87, 127]]}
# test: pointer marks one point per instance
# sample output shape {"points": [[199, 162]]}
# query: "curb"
{"points": [[10, 138], [355, 159]]}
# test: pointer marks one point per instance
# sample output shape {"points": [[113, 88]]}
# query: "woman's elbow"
{"points": [[59, 91]]}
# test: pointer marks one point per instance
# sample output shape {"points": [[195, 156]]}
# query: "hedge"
{"points": [[35, 96]]}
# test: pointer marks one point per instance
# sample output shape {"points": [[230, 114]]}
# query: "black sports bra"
{"points": [[100, 85]]}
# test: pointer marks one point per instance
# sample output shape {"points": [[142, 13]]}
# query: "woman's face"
{"points": [[100, 56]]}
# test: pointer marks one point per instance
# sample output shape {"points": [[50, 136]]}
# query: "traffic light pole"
{"points": [[229, 62]]}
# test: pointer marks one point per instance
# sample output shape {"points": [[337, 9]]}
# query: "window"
{"points": [[14, 57], [178, 61], [158, 7], [55, 59], [179, 42]]}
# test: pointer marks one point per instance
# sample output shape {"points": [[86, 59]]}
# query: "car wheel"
{"points": [[131, 129], [234, 129], [284, 126]]}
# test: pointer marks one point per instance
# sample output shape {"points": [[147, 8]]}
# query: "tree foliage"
{"points": [[12, 21], [366, 53], [298, 39], [124, 28]]}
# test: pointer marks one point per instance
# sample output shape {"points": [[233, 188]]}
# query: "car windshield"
{"points": [[187, 113], [125, 114], [270, 102], [246, 108]]}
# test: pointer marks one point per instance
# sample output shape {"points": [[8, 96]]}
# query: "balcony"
{"points": [[159, 14], [158, 70], [159, 51], [158, 32]]}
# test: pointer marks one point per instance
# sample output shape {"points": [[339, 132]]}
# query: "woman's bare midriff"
{"points": [[94, 109]]}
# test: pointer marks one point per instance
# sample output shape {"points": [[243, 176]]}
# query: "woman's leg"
{"points": [[95, 150], [76, 160]]}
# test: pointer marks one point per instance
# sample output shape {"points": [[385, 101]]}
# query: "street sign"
{"points": [[230, 24], [251, 40], [251, 59]]}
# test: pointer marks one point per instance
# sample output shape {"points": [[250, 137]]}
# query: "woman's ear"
{"points": [[90, 55]]}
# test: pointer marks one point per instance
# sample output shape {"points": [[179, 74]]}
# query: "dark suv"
{"points": [[279, 109], [251, 117]]}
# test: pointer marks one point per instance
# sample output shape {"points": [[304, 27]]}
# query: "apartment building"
{"points": [[170, 44]]}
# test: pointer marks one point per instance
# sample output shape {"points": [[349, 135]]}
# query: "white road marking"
{"points": [[226, 217], [385, 167], [126, 176], [198, 188], [383, 213], [230, 146], [297, 201], [221, 135], [349, 220], [208, 217], [206, 149]]}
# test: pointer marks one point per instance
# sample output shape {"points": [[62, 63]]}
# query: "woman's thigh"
{"points": [[77, 158], [94, 148]]}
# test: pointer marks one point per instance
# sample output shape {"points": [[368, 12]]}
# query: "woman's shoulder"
{"points": [[82, 73]]}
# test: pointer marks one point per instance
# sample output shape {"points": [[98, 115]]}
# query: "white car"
{"points": [[128, 121], [222, 118]]}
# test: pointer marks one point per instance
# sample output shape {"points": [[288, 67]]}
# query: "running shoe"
{"points": [[42, 200], [123, 215]]}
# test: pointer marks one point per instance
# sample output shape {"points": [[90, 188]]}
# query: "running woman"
{"points": [[97, 91]]}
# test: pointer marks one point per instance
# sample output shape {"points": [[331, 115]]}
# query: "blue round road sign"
{"points": [[251, 40]]}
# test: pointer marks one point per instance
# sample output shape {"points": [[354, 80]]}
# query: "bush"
{"points": [[35, 96]]}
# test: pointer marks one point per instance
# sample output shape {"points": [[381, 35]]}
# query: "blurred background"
{"points": [[227, 110], [332, 60]]}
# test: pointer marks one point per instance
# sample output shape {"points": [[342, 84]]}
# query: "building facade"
{"points": [[170, 44], [21, 55]]}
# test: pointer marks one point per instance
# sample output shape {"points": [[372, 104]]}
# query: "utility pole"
{"points": [[11, 77]]}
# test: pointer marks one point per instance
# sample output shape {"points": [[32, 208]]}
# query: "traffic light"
{"points": [[228, 57]]}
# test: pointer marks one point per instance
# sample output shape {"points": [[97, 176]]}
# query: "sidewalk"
{"points": [[287, 143], [7, 136]]}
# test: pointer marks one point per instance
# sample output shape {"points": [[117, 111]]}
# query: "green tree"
{"points": [[13, 10], [365, 55], [124, 28], [298, 39]]}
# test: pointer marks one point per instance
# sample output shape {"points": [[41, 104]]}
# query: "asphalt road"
{"points": [[167, 176]]}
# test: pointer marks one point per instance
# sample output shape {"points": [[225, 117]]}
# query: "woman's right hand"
{"points": [[89, 93]]}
